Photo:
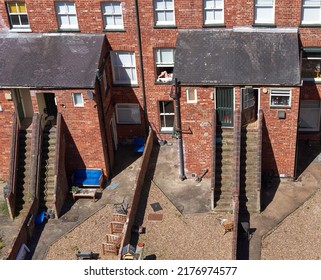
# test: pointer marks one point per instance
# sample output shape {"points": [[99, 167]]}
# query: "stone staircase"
{"points": [[249, 170], [23, 172], [46, 195], [224, 171]]}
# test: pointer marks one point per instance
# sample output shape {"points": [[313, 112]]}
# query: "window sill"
{"points": [[68, 30], [311, 80], [114, 30], [279, 107], [163, 83], [26, 30], [268, 25], [166, 132], [126, 85], [211, 25], [312, 25], [165, 27]]}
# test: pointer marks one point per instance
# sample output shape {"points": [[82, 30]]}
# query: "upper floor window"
{"points": [[18, 16], [66, 14], [164, 12], [112, 14], [124, 67], [264, 11], [213, 11], [311, 64], [311, 12], [164, 64]]}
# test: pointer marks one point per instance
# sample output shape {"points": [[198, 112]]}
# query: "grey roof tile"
{"points": [[44, 60], [229, 57]]}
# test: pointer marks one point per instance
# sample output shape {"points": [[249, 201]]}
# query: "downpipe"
{"points": [[178, 130]]}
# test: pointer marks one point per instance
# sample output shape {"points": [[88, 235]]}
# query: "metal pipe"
{"points": [[139, 38], [176, 97]]}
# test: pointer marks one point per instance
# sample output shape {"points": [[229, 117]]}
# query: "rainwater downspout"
{"points": [[139, 39], [98, 76], [178, 130]]}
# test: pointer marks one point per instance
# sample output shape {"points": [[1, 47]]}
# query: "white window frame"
{"points": [[114, 14], [261, 6], [69, 14], [81, 104], [310, 111], [189, 98], [165, 10], [308, 7], [160, 65], [20, 26], [165, 129], [215, 9], [119, 67], [280, 93], [131, 108]]}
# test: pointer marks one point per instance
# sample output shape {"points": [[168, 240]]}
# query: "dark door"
{"points": [[50, 102], [249, 105], [225, 106]]}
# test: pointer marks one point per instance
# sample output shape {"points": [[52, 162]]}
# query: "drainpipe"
{"points": [[178, 130], [101, 101], [139, 39]]}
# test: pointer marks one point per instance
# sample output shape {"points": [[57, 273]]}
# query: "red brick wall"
{"points": [[279, 136], [6, 118], [84, 144], [197, 130], [188, 14]]}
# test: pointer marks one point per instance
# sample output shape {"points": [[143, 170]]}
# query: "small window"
{"points": [[128, 113], [309, 115], [280, 98], [113, 16], [18, 16], [164, 12], [66, 14], [164, 65], [167, 116], [191, 95], [124, 67], [264, 11], [213, 11], [78, 99], [311, 12]]}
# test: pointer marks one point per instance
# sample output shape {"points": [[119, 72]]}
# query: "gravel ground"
{"points": [[177, 236], [298, 236]]}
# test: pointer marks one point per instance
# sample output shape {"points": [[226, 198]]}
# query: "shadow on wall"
{"points": [[308, 152], [139, 219], [270, 174]]}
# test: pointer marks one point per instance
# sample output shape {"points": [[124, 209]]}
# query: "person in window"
{"points": [[164, 77]]}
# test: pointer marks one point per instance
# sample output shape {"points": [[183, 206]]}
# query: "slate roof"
{"points": [[44, 60], [234, 57]]}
